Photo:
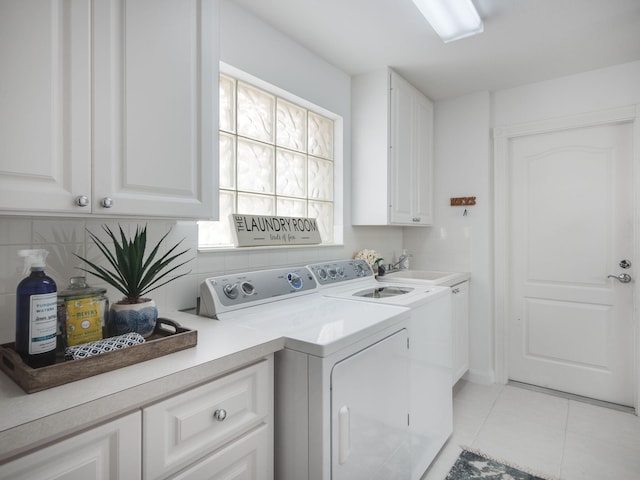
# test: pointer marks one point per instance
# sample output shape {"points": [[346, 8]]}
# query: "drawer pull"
{"points": [[220, 414]]}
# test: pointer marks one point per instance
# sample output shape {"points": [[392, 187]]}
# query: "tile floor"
{"points": [[562, 438]]}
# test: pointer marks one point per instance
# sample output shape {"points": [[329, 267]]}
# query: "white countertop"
{"points": [[430, 277], [28, 420]]}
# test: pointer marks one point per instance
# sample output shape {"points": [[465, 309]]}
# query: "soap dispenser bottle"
{"points": [[36, 312], [404, 260]]}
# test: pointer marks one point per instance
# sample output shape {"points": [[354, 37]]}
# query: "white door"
{"points": [[369, 413], [571, 224]]}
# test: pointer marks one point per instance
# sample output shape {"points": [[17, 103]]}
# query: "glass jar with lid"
{"points": [[85, 309]]}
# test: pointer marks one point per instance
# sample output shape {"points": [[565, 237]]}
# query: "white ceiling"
{"points": [[524, 41]]}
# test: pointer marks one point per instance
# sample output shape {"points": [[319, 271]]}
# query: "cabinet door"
{"points": [[401, 168], [179, 431], [423, 161], [102, 453], [411, 132], [45, 119], [460, 298], [155, 107]]}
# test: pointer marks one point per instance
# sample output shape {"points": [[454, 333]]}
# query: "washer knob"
{"points": [[231, 290], [294, 280], [248, 288]]}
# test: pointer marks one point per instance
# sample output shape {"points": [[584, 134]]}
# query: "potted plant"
{"points": [[135, 274]]}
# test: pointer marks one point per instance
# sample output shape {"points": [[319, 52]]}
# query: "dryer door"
{"points": [[369, 412]]}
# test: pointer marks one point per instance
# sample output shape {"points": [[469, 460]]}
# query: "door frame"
{"points": [[501, 139]]}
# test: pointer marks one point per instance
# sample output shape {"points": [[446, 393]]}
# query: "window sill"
{"points": [[231, 248]]}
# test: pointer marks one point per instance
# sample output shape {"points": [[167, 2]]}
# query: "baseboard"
{"points": [[485, 377]]}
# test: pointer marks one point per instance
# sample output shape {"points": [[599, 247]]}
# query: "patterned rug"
{"points": [[473, 465]]}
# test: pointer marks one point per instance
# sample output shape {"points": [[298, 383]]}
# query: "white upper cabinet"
{"points": [[392, 177], [45, 94], [109, 108]]}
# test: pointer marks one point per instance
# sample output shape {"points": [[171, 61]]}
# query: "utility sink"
{"points": [[431, 277]]}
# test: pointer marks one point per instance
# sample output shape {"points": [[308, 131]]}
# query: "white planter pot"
{"points": [[138, 317]]}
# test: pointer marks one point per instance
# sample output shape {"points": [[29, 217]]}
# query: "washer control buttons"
{"points": [[248, 288], [294, 280]]}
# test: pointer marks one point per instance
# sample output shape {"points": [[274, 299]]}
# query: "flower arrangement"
{"points": [[372, 257]]}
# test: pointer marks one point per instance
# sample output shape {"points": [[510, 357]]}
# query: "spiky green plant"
{"points": [[133, 274]]}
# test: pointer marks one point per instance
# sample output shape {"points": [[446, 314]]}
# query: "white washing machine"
{"points": [[431, 402], [341, 382]]}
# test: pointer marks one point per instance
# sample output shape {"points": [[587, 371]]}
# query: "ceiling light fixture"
{"points": [[451, 19]]}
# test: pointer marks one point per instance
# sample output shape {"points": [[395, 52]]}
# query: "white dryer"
{"points": [[342, 381], [431, 402]]}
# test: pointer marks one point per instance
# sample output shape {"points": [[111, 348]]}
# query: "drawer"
{"points": [[184, 428], [246, 459]]}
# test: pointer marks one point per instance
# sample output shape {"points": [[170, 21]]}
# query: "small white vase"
{"points": [[135, 317]]}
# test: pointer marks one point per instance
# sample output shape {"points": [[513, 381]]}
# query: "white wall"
{"points": [[587, 92], [457, 242], [463, 167], [250, 45]]}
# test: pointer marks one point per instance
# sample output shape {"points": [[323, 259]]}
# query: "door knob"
{"points": [[622, 278]]}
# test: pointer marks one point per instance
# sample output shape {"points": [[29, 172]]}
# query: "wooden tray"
{"points": [[168, 337]]}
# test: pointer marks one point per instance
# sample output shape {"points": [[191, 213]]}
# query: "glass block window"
{"points": [[276, 158]]}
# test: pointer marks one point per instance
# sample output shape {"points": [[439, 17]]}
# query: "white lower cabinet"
{"points": [[220, 430], [109, 451], [246, 458], [460, 310], [225, 425]]}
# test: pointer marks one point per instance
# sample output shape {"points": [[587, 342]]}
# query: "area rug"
{"points": [[472, 465]]}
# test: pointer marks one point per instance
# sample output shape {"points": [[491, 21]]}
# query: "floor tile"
{"points": [[587, 458], [609, 425], [522, 441], [544, 433], [540, 408], [443, 462]]}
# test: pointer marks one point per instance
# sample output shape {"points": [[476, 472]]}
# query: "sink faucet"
{"points": [[402, 263]]}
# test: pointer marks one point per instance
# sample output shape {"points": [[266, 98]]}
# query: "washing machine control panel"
{"points": [[235, 290], [338, 272]]}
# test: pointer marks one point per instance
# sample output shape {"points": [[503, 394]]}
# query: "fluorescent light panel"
{"points": [[451, 19]]}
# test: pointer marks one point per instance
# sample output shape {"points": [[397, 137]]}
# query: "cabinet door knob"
{"points": [[107, 202], [416, 219], [220, 414], [82, 200]]}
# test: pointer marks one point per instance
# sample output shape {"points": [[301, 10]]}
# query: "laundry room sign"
{"points": [[261, 230]]}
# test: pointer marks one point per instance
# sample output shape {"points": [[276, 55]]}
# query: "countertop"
{"points": [[30, 420], [431, 277]]}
